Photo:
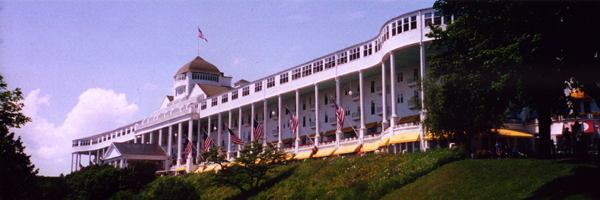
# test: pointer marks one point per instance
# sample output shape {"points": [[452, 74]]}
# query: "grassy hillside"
{"points": [[367, 177], [505, 179]]}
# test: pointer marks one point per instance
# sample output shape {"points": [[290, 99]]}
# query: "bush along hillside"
{"points": [[366, 177]]}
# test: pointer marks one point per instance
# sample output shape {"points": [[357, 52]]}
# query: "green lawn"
{"points": [[505, 179]]}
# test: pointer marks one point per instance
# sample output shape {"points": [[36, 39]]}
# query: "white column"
{"points": [[317, 134], [338, 102], [239, 147], [229, 136], [169, 147], [279, 125], [394, 117], [143, 138], [89, 158], [71, 162], [179, 137], [219, 131], [160, 137], [135, 140], [188, 163], [78, 161], [297, 141], [209, 129], [98, 156], [384, 121], [252, 122], [265, 116], [361, 85], [198, 140], [423, 113], [151, 137]]}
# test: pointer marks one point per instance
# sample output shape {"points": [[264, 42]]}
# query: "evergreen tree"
{"points": [[17, 173]]}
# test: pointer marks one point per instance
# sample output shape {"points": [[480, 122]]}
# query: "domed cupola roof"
{"points": [[198, 65]]}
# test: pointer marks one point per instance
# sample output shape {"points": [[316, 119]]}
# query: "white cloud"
{"points": [[50, 145]]}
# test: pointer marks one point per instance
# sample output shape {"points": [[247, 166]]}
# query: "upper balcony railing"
{"points": [[395, 27]]}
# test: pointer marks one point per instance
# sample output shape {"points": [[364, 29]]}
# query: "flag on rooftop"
{"points": [[201, 35]]}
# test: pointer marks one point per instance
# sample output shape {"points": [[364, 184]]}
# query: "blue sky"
{"points": [[88, 66]]}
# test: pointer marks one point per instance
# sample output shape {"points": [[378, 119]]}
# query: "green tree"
{"points": [[17, 173], [496, 52], [93, 182], [251, 169]]}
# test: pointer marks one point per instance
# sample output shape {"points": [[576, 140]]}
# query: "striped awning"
{"points": [[513, 133], [324, 152], [303, 155], [347, 149], [404, 137]]}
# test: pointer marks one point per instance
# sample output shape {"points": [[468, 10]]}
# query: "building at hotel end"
{"points": [[376, 82]]}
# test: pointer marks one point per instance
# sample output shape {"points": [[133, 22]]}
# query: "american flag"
{"points": [[201, 35], [207, 143], [294, 123], [235, 139], [188, 149], [258, 130], [340, 115]]}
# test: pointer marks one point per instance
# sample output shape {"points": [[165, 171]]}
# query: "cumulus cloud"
{"points": [[49, 144]]}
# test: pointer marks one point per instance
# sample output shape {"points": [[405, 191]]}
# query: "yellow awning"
{"points": [[303, 155], [384, 141], [347, 149], [513, 133], [404, 137], [324, 152], [289, 156], [371, 146]]}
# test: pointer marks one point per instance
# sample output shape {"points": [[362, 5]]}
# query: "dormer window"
{"points": [[245, 91], [224, 98], [258, 86], [180, 77], [180, 90], [270, 82], [234, 95], [214, 101]]}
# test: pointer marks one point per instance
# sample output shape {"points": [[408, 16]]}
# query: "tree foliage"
{"points": [[17, 173], [496, 52], [250, 169]]}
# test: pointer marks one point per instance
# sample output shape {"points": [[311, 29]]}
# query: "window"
{"points": [[283, 78], [399, 26], [405, 24], [367, 49], [326, 120], [342, 57], [394, 29], [224, 98], [372, 108], [355, 53], [296, 74], [303, 105], [306, 70], [415, 74], [401, 97], [304, 121], [372, 86], [234, 95], [318, 66], [400, 77], [377, 45], [180, 90], [428, 19], [270, 82], [437, 18], [180, 77], [214, 101], [203, 105], [258, 86], [246, 91], [413, 22], [329, 62], [326, 100], [447, 19]]}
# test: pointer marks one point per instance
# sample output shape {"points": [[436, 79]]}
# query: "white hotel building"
{"points": [[376, 81]]}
